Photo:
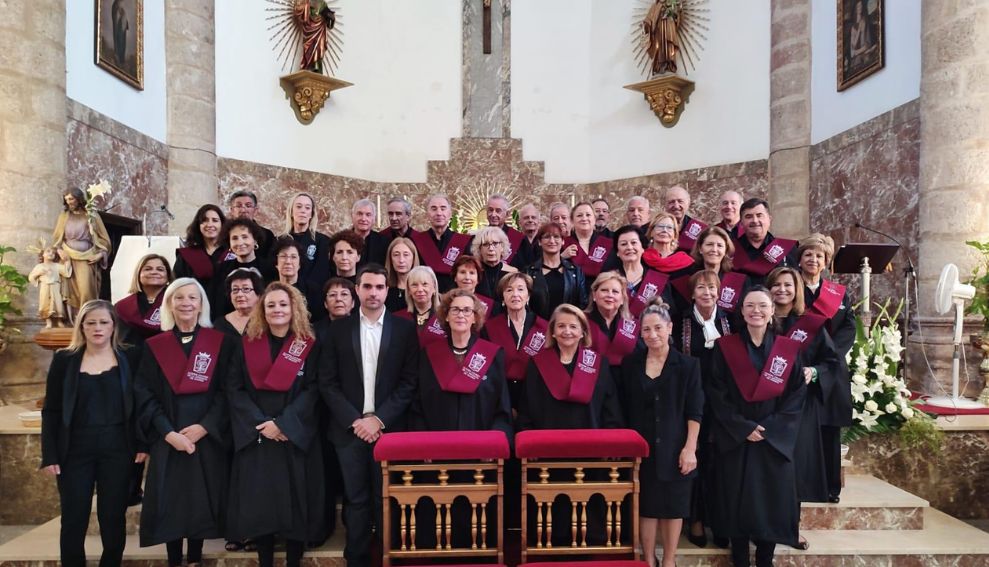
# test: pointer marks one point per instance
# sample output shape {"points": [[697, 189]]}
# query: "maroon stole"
{"points": [[805, 329], [130, 313], [532, 343], [771, 380], [431, 332], [652, 284], [689, 234], [187, 374], [486, 301], [275, 375], [681, 285], [688, 331], [771, 257], [199, 261], [593, 260], [461, 378], [430, 255], [731, 291], [515, 239], [577, 388], [828, 299], [626, 336]]}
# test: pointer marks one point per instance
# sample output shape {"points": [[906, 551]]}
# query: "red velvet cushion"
{"points": [[471, 565], [619, 563], [580, 443], [442, 445]]}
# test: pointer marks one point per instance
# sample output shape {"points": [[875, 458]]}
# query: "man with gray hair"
{"points": [[364, 213], [729, 205], [439, 247], [399, 213], [530, 219], [677, 203], [637, 215], [497, 212], [243, 204]]}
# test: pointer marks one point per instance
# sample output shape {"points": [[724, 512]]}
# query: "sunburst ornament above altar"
{"points": [[667, 34], [471, 207]]}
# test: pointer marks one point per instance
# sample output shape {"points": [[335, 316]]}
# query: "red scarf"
{"points": [[675, 261]]}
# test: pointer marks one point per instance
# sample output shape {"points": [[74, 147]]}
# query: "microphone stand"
{"points": [[908, 272]]}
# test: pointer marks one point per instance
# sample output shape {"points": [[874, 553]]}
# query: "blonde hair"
{"points": [[818, 241], [673, 219], [798, 287], [168, 318], [443, 311], [490, 234], [135, 282], [257, 324], [603, 278], [390, 276], [290, 223], [567, 309], [421, 274], [78, 342]]}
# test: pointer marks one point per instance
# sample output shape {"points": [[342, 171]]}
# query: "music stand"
{"points": [[861, 258]]}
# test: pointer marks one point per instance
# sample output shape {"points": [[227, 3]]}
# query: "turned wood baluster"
{"points": [[439, 527], [412, 538], [405, 508], [549, 524], [448, 524], [539, 524], [607, 526], [583, 524], [473, 527], [573, 523], [618, 524], [484, 525]]}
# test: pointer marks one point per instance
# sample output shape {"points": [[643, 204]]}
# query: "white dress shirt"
{"points": [[370, 346]]}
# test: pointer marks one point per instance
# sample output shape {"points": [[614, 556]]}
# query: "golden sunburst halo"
{"points": [[471, 204]]}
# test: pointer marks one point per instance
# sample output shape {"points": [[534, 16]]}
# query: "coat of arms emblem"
{"points": [[200, 364], [297, 347], [477, 361]]}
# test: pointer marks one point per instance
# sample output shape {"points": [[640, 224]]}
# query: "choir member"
{"points": [[140, 312], [243, 288], [182, 416], [466, 272], [555, 280], [517, 330], [203, 250], [88, 433], [288, 265], [244, 205], [276, 480], [663, 254], [588, 249], [728, 206], [399, 212], [637, 215], [694, 332], [400, 259], [560, 214], [530, 219], [830, 300], [339, 299], [493, 248], [643, 283], [241, 235], [367, 377], [713, 251], [423, 302], [602, 217], [677, 203], [346, 251], [756, 395], [301, 221], [614, 332], [497, 213], [364, 214], [663, 400], [758, 251], [438, 246]]}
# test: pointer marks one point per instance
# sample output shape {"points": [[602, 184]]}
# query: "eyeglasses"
{"points": [[490, 244], [663, 227], [237, 290], [465, 311]]}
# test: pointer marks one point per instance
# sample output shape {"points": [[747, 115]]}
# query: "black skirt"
{"points": [[666, 500]]}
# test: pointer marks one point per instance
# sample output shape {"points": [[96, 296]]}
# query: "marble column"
{"points": [[190, 78], [790, 117], [486, 76], [32, 164], [954, 165]]}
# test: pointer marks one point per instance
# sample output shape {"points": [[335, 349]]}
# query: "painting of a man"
{"points": [[860, 40]]}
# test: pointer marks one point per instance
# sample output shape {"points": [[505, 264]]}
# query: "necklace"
{"points": [[421, 318], [460, 351]]}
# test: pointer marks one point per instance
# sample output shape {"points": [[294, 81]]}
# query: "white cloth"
{"points": [[370, 345], [711, 333]]}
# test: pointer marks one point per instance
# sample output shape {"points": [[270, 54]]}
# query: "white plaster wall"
{"points": [[570, 59], [897, 83], [404, 59], [90, 85]]}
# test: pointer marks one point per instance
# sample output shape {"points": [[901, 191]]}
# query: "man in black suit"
{"points": [[367, 376]]}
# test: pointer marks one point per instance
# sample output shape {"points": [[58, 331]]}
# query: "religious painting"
{"points": [[120, 39], [860, 40]]}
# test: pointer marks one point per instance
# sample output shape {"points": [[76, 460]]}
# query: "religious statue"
{"points": [[668, 34], [309, 29], [82, 238], [660, 26], [316, 20], [54, 269]]}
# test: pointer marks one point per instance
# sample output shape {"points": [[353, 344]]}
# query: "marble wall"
{"points": [[478, 167]]}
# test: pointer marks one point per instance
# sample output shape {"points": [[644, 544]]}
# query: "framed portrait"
{"points": [[120, 39], [861, 50]]}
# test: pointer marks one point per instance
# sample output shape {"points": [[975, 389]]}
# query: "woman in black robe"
{"points": [[756, 396], [491, 247], [203, 250], [555, 280], [423, 300], [276, 480], [466, 272], [244, 287], [694, 333], [643, 283], [182, 416], [614, 331], [664, 402], [301, 220], [830, 299], [245, 238], [288, 255], [140, 312]]}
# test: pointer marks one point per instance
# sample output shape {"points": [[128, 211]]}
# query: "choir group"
{"points": [[255, 376]]}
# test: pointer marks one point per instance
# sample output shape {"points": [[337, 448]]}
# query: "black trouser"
{"points": [[174, 549], [362, 499], [764, 552], [831, 442], [266, 551], [98, 457]]}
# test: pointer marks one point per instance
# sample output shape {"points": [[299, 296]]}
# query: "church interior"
{"points": [[869, 133]]}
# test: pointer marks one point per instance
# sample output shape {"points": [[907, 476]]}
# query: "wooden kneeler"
{"points": [[579, 464], [443, 466]]}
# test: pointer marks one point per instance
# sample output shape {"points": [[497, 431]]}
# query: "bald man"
{"points": [[729, 205], [676, 200]]}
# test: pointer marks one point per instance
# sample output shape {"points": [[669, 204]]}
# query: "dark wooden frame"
{"points": [[849, 74], [105, 57]]}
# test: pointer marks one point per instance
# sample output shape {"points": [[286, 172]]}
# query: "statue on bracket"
{"points": [[307, 31]]}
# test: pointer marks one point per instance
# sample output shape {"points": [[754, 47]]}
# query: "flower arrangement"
{"points": [[93, 193], [881, 401]]}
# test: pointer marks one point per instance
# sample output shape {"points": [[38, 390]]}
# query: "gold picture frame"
{"points": [[120, 40], [861, 40]]}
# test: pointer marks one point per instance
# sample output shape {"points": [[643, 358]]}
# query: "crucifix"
{"points": [[486, 25]]}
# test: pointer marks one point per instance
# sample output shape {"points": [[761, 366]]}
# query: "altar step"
{"points": [[875, 524]]}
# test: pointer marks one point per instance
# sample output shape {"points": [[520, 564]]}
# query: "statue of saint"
{"points": [[315, 19], [83, 239], [660, 29]]}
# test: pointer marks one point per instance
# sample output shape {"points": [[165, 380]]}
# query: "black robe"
{"points": [[182, 269], [219, 299], [837, 408], [395, 301], [538, 409], [185, 495], [595, 318], [756, 495], [276, 487], [315, 265]]}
